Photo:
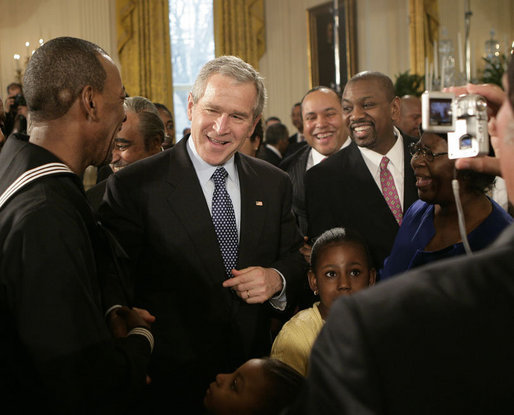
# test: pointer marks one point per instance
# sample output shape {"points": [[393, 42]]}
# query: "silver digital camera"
{"points": [[463, 118]]}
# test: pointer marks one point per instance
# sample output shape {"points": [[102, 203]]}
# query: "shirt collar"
{"points": [[205, 170], [317, 157], [395, 154]]}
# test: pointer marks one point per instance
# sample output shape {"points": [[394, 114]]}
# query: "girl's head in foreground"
{"points": [[340, 265], [259, 386]]}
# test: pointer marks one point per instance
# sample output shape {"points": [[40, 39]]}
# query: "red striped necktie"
{"points": [[389, 190]]}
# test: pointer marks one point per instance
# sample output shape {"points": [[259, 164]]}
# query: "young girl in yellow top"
{"points": [[340, 265]]}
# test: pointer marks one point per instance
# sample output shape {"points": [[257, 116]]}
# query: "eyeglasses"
{"points": [[418, 149]]}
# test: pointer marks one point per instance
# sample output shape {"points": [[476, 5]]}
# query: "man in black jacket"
{"points": [[325, 133], [57, 354], [275, 144], [368, 185], [211, 274]]}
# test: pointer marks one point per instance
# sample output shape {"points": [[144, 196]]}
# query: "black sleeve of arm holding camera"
{"points": [[9, 123]]}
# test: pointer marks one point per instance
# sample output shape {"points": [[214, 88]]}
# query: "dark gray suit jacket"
{"points": [[295, 165], [157, 210], [436, 340], [268, 155], [95, 194], [294, 145], [341, 192]]}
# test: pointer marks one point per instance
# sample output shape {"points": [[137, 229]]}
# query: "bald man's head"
{"points": [[410, 115]]}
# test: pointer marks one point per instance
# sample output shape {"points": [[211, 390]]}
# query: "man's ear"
{"points": [[372, 276], [156, 145], [88, 99], [395, 109], [255, 124], [190, 104]]}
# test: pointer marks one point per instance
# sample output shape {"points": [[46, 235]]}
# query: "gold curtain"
{"points": [[144, 49], [239, 29], [423, 31]]}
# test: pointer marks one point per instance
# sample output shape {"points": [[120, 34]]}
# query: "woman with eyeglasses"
{"points": [[430, 229]]}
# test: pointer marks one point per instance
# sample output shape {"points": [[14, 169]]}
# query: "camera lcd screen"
{"points": [[440, 112]]}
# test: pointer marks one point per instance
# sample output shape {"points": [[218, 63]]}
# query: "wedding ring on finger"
{"points": [[247, 294]]}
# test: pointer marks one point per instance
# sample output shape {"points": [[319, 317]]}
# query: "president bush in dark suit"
{"points": [[211, 238]]}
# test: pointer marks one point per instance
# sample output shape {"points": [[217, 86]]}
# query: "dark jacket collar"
{"points": [[18, 155]]}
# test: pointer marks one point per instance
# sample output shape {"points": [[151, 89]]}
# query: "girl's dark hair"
{"points": [[285, 385], [336, 235]]}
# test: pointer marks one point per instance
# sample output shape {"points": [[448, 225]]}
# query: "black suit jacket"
{"points": [[293, 138], [341, 192], [295, 165], [294, 145], [268, 155], [103, 173], [437, 340], [157, 209], [95, 194], [57, 355]]}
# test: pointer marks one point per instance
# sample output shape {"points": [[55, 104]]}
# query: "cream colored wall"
{"points": [[487, 15], [382, 36], [382, 45], [382, 41], [285, 62], [30, 20]]}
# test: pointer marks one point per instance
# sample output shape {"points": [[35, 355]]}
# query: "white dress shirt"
{"points": [[395, 166], [316, 157], [204, 173]]}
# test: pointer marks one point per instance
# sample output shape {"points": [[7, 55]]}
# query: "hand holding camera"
{"points": [[14, 102], [494, 96], [17, 113], [20, 105], [463, 117]]}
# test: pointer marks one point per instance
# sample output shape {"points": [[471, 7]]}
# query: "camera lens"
{"points": [[465, 142], [19, 99]]}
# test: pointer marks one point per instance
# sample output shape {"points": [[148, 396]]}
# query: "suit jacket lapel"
{"points": [[253, 210], [187, 201], [301, 166], [374, 199], [297, 176]]}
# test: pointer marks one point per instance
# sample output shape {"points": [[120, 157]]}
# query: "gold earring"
{"points": [[316, 292]]}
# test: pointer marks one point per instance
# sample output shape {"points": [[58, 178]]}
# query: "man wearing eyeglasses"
{"points": [[370, 184]]}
